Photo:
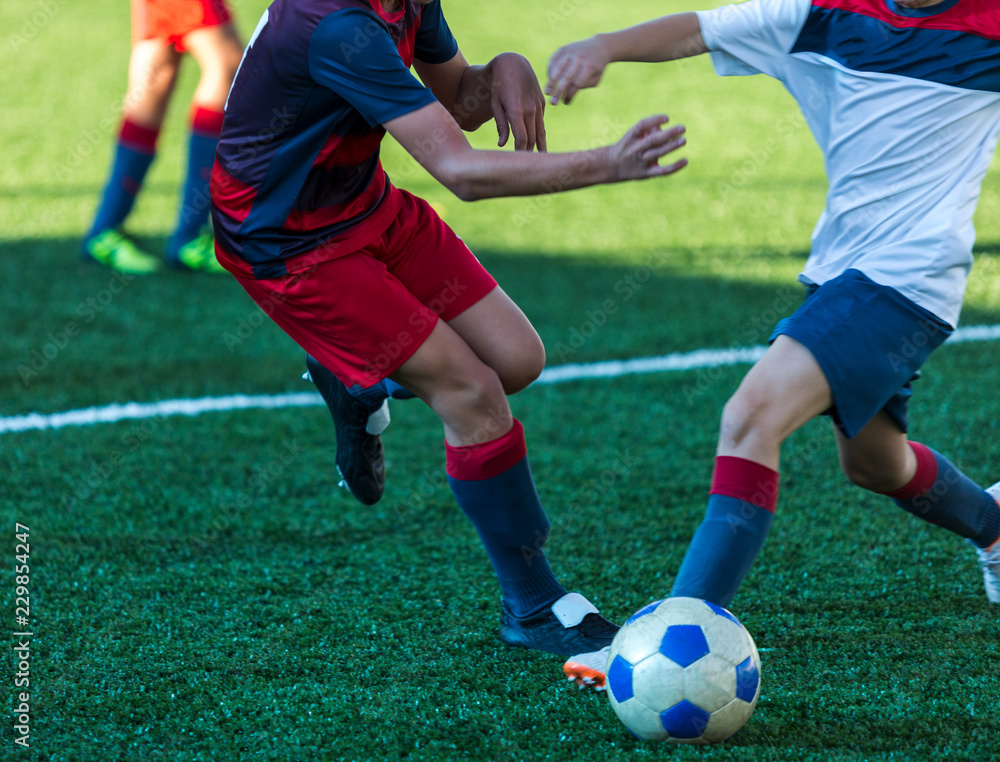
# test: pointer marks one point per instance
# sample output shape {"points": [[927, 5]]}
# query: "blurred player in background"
{"points": [[162, 31], [383, 296], [907, 135]]}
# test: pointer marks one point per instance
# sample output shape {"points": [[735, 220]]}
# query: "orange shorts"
{"points": [[172, 20]]}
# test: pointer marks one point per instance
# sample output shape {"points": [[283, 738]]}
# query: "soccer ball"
{"points": [[683, 670]]}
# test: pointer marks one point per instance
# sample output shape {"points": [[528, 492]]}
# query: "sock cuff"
{"points": [[473, 463], [137, 137], [924, 478], [206, 121], [745, 480]]}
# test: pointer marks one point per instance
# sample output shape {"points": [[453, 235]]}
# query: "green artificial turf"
{"points": [[202, 590]]}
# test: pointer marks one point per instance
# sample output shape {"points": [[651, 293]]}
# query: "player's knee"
{"points": [[868, 476], [753, 414], [740, 420], [525, 369], [474, 391]]}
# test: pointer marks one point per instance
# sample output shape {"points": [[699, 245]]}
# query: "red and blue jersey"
{"points": [[951, 43], [297, 168]]}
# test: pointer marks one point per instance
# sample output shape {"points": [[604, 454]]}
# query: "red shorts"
{"points": [[365, 313], [172, 20]]}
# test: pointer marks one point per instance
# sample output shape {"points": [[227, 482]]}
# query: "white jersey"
{"points": [[905, 105]]}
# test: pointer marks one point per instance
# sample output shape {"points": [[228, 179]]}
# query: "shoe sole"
{"points": [[585, 677]]}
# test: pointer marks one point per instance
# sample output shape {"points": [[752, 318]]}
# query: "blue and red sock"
{"points": [[494, 487], [941, 494], [134, 153], [205, 126], [741, 503]]}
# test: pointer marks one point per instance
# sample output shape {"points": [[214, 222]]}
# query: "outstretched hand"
{"points": [[574, 67], [637, 155], [517, 103]]}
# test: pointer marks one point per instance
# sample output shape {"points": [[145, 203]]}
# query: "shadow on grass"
{"points": [[79, 335]]}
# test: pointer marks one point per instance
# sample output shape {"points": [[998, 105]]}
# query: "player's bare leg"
{"points": [[456, 384], [781, 392], [499, 335], [153, 70], [498, 332], [784, 390], [152, 74], [921, 481], [218, 51], [488, 468], [877, 458]]}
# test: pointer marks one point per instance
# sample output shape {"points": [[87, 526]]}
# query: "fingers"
{"points": [[500, 117], [660, 171], [562, 84], [574, 68], [646, 143], [525, 122], [652, 147], [570, 92], [656, 139], [557, 70], [644, 126], [503, 132], [653, 155], [528, 123]]}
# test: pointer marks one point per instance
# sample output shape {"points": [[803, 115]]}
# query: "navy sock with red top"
{"points": [[941, 494], [494, 487], [206, 127], [741, 503], [134, 153]]}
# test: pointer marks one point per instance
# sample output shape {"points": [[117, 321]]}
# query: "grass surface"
{"points": [[200, 588]]}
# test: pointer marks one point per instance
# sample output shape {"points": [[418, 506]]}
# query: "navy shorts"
{"points": [[870, 341]]}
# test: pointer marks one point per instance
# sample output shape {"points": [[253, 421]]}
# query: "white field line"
{"points": [[700, 358]]}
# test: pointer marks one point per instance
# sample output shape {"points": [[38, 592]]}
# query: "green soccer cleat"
{"points": [[198, 255], [113, 249]]}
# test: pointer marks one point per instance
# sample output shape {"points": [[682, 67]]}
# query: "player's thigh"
{"points": [[152, 74], [878, 456], [217, 49], [782, 391], [464, 391], [503, 337], [442, 273]]}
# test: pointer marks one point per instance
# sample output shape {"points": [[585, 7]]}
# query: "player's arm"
{"points": [[434, 139], [505, 90], [581, 64]]}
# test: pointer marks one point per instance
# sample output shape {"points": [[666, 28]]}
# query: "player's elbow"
{"points": [[460, 180], [465, 190], [468, 191], [468, 122]]}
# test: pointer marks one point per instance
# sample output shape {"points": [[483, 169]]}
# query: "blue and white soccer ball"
{"points": [[685, 671]]}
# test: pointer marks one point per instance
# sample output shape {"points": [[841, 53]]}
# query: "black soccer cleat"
{"points": [[360, 457], [572, 625]]}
